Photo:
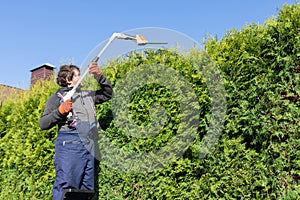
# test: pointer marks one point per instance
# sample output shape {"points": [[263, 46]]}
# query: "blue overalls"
{"points": [[74, 160]]}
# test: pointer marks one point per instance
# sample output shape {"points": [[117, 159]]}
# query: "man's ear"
{"points": [[68, 81]]}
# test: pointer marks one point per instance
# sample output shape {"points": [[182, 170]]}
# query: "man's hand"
{"points": [[94, 69], [65, 107]]}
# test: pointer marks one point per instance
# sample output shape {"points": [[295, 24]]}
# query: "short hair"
{"points": [[65, 72]]}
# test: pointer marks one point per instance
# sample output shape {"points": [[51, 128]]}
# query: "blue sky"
{"points": [[56, 32]]}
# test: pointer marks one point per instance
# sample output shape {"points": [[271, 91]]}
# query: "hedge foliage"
{"points": [[256, 157], [26, 152]]}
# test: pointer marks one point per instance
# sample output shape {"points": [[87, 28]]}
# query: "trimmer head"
{"points": [[138, 39]]}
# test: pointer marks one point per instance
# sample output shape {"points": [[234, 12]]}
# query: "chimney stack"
{"points": [[44, 72]]}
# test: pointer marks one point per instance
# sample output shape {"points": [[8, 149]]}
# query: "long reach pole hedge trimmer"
{"points": [[138, 39]]}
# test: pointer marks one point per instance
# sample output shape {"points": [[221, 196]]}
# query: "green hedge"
{"points": [[27, 170], [256, 157], [261, 67]]}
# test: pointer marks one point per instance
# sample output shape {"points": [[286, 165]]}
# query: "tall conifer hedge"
{"points": [[256, 157]]}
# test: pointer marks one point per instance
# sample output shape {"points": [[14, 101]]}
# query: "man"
{"points": [[77, 124]]}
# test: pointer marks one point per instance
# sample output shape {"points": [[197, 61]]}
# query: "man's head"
{"points": [[68, 75]]}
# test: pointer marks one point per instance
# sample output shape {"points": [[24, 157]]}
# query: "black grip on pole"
{"points": [[95, 59]]}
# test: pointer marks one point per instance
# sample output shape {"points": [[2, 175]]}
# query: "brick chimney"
{"points": [[44, 72]]}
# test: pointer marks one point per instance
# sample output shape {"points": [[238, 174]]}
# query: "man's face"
{"points": [[76, 77]]}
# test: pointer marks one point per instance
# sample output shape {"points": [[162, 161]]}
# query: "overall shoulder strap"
{"points": [[60, 97]]}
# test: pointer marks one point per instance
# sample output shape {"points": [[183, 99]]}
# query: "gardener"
{"points": [[77, 125]]}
